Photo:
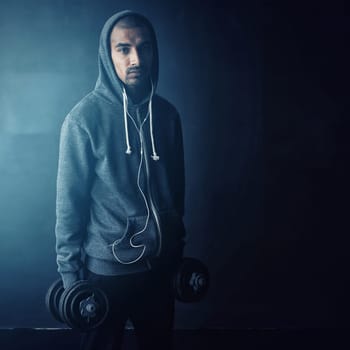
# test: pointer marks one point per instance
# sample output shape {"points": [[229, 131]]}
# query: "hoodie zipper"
{"points": [[149, 190]]}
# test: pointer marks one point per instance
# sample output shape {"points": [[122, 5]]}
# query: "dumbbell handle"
{"points": [[88, 307]]}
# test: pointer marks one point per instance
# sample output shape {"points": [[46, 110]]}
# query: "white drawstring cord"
{"points": [[116, 242], [125, 106], [154, 156]]}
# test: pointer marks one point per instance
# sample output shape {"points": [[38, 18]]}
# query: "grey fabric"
{"points": [[98, 200]]}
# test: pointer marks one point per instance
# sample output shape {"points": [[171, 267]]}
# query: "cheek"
{"points": [[118, 67]]}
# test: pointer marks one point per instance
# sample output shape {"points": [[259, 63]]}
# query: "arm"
{"points": [[73, 198], [179, 169]]}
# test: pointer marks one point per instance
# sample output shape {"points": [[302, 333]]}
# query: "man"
{"points": [[120, 189]]}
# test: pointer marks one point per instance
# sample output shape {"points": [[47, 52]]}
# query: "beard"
{"points": [[138, 84], [136, 77]]}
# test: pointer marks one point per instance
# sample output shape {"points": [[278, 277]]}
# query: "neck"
{"points": [[138, 93]]}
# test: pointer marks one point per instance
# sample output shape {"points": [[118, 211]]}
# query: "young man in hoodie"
{"points": [[120, 189]]}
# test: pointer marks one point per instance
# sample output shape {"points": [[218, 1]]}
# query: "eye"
{"points": [[123, 50]]}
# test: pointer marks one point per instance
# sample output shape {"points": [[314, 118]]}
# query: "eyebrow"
{"points": [[146, 42], [123, 45]]}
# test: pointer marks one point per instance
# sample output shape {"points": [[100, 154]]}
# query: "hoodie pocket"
{"points": [[138, 242]]}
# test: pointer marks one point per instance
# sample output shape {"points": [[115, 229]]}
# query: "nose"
{"points": [[134, 58]]}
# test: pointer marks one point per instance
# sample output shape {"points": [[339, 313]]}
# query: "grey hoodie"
{"points": [[119, 210]]}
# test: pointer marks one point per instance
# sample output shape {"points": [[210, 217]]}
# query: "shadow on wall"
{"points": [[51, 62]]}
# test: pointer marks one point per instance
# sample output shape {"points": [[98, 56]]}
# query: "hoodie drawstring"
{"points": [[154, 155], [125, 106]]}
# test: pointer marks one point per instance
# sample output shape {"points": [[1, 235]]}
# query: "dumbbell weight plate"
{"points": [[52, 299], [191, 281], [70, 304]]}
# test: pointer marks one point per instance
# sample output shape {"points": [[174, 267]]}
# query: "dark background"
{"points": [[262, 92]]}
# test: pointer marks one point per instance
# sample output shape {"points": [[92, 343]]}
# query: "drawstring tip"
{"points": [[155, 157], [128, 151]]}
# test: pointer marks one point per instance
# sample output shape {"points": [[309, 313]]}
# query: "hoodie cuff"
{"points": [[68, 278]]}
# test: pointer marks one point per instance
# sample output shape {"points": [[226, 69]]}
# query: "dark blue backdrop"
{"points": [[49, 61], [259, 155]]}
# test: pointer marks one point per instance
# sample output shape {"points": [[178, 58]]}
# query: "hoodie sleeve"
{"points": [[179, 171], [179, 168], [73, 198]]}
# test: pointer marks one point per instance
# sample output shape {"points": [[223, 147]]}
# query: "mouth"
{"points": [[134, 74]]}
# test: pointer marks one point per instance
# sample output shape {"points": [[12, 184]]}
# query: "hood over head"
{"points": [[108, 84], [111, 87]]}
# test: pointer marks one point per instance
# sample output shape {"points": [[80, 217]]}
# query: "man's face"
{"points": [[132, 54]]}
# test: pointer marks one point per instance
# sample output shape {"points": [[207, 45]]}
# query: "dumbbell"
{"points": [[84, 307], [191, 280], [81, 306]]}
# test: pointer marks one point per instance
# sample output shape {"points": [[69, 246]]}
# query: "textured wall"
{"points": [[210, 68]]}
